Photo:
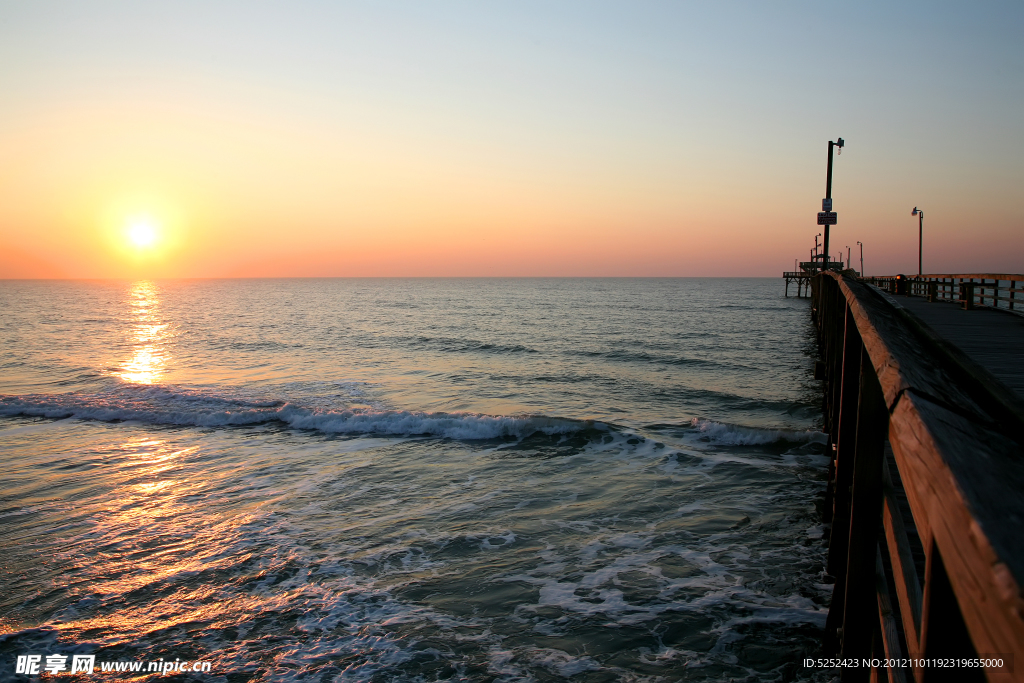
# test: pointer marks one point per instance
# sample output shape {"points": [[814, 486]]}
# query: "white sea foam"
{"points": [[733, 435], [562, 663]]}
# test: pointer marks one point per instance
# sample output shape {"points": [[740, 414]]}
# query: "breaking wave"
{"points": [[188, 407], [733, 435], [183, 406]]}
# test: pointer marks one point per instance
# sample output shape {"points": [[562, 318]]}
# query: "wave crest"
{"points": [[733, 435], [166, 406]]}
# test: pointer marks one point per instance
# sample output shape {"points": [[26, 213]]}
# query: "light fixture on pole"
{"points": [[861, 258], [920, 236]]}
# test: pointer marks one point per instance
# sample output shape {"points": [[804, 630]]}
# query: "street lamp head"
{"points": [[840, 143], [914, 212]]}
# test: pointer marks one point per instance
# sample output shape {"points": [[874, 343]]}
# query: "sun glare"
{"points": [[142, 234]]}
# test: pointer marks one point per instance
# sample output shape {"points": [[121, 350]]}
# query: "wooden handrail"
{"points": [[996, 290], [1017, 277], [956, 444]]}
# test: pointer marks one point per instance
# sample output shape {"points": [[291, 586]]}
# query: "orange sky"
{"points": [[509, 140]]}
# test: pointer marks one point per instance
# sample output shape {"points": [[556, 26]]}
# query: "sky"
{"points": [[643, 138]]}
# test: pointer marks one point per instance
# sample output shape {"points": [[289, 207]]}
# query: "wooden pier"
{"points": [[925, 502]]}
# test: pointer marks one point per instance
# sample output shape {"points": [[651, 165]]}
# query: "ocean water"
{"points": [[413, 479]]}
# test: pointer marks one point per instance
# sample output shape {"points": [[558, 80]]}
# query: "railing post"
{"points": [[860, 613], [945, 634], [837, 322], [967, 294], [933, 291], [845, 440]]}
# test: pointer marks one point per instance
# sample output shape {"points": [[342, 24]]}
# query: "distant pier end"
{"points": [[808, 269]]}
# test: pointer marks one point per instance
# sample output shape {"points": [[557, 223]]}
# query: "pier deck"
{"points": [[993, 339]]}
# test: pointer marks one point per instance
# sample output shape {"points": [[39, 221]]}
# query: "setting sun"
{"points": [[142, 234]]}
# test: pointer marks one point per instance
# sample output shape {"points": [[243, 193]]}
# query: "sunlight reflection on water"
{"points": [[147, 336]]}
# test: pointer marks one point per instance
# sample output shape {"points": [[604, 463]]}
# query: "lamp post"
{"points": [[861, 258], [920, 236], [847, 256], [828, 189]]}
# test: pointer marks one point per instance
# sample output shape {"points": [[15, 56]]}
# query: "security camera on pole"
{"points": [[827, 216]]}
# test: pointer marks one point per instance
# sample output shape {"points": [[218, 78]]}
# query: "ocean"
{"points": [[412, 479]]}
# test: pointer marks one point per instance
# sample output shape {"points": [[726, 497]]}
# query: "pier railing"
{"points": [[925, 498], [996, 290]]}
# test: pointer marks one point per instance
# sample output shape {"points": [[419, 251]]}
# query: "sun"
{"points": [[142, 234]]}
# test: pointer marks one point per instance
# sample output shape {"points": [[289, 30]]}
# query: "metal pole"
{"points": [[861, 258], [828, 195], [920, 240]]}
